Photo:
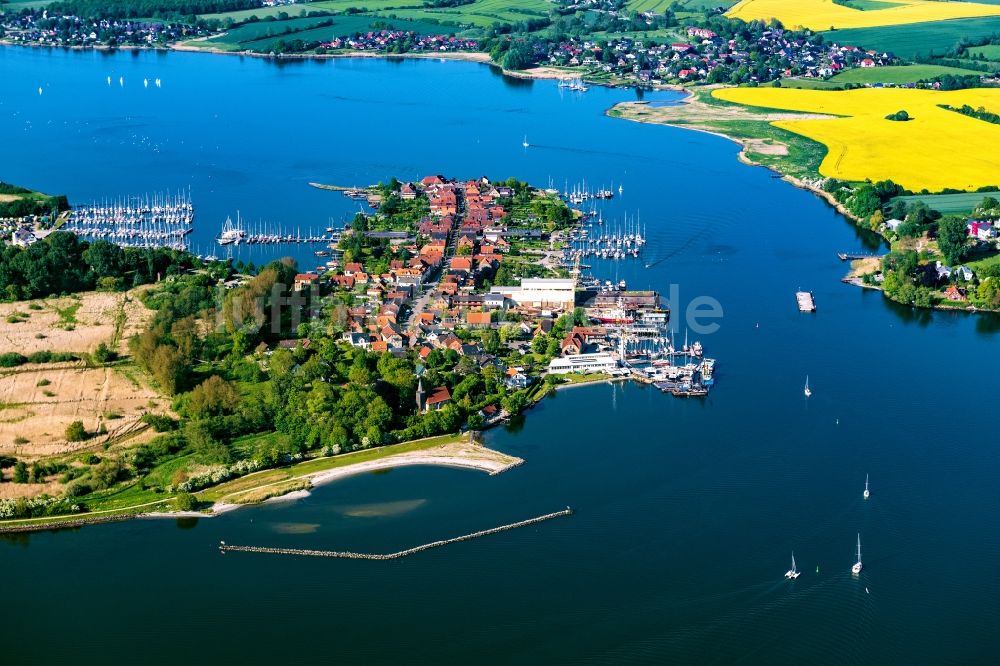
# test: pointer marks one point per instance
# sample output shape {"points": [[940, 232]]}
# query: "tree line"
{"points": [[64, 264]]}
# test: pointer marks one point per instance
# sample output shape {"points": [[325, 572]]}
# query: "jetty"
{"points": [[348, 555], [805, 301], [846, 256]]}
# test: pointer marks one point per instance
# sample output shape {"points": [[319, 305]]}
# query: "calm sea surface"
{"points": [[687, 510]]}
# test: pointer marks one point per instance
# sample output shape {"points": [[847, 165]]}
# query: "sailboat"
{"points": [[807, 390], [793, 573], [866, 493], [856, 569], [525, 142]]}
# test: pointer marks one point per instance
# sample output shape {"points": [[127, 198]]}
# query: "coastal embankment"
{"points": [[348, 555]]}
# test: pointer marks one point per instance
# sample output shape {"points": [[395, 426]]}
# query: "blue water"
{"points": [[687, 510]]}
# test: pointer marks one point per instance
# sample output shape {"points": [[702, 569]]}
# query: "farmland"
{"points": [[948, 203], [909, 41], [936, 149], [901, 74], [990, 51], [481, 13], [262, 36], [660, 6], [72, 323], [38, 401], [825, 15]]}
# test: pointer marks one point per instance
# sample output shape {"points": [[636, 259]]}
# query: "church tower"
{"points": [[420, 395]]}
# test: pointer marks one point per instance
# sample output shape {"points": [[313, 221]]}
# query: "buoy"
{"points": [[817, 568]]}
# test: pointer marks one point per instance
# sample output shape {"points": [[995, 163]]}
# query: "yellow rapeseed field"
{"points": [[937, 149], [824, 14]]}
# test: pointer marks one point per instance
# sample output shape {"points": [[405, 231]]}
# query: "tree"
{"points": [[104, 355], [951, 238], [20, 472], [75, 432], [213, 397]]}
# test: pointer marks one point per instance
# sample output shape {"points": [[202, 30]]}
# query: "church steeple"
{"points": [[420, 395]]}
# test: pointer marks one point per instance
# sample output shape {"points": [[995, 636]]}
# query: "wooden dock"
{"points": [[805, 301], [845, 256], [223, 547]]}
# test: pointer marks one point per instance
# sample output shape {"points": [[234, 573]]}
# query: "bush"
{"points": [[185, 502], [20, 473], [104, 355], [899, 116], [160, 422], [92, 459], [20, 440], [12, 359], [75, 432]]}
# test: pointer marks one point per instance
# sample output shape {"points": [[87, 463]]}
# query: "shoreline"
{"points": [[746, 145], [455, 455]]}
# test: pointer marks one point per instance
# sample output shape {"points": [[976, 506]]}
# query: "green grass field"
{"points": [[481, 14], [950, 203], [980, 265], [990, 51], [28, 4], [811, 84], [344, 26], [251, 32], [660, 6], [901, 74], [906, 41], [299, 9]]}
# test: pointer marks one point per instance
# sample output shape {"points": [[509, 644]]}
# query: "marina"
{"points": [[238, 233], [145, 221]]}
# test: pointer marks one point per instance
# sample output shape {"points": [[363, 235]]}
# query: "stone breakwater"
{"points": [[392, 556]]}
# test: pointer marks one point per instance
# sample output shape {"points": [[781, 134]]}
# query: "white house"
{"points": [[541, 293], [583, 364]]}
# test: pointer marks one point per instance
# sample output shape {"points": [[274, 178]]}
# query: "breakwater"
{"points": [[392, 556]]}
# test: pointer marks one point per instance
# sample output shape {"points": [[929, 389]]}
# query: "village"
{"points": [[68, 30], [706, 56], [456, 290]]}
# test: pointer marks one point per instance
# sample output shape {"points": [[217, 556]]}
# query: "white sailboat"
{"points": [[525, 142], [856, 569], [866, 493], [807, 390], [793, 573]]}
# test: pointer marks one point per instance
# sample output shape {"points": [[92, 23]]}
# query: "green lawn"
{"points": [[900, 74], [951, 203], [906, 41]]}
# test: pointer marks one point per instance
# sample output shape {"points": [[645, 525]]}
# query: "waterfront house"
{"points": [[584, 364], [954, 293]]}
